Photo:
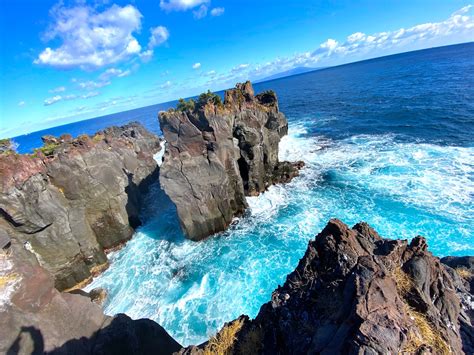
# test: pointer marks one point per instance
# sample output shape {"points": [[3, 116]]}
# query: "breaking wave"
{"points": [[192, 289]]}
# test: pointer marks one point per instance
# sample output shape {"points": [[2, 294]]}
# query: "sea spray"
{"points": [[192, 288]]}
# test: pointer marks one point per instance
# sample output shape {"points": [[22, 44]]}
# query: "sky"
{"points": [[65, 61]]}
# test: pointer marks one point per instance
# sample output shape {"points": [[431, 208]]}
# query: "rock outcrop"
{"points": [[356, 293], [216, 153], [352, 293], [74, 198], [36, 318]]}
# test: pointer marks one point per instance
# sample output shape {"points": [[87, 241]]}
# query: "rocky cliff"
{"points": [[356, 293], [74, 198], [351, 293], [35, 318], [216, 153]]}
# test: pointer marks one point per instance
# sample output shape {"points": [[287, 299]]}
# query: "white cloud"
{"points": [[90, 94], [58, 89], [166, 85], [459, 27], [146, 55], [57, 98], [217, 11], [22, 103], [181, 5], [239, 68], [91, 84], [159, 35], [91, 39], [196, 65], [201, 12], [113, 73]]}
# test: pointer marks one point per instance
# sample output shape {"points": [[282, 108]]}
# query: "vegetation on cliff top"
{"points": [[191, 105], [6, 146]]}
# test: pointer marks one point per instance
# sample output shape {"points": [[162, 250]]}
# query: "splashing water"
{"points": [[191, 289], [387, 141]]}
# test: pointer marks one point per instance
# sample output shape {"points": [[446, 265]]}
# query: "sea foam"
{"points": [[192, 289]]}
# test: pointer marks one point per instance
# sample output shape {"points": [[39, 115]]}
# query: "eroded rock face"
{"points": [[75, 198], [36, 318], [216, 153], [356, 293]]}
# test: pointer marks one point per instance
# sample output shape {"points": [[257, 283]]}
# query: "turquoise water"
{"points": [[397, 154]]}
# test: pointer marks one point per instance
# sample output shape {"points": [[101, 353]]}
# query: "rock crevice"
{"points": [[218, 153], [74, 198]]}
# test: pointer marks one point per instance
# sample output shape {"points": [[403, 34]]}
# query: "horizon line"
{"points": [[253, 82]]}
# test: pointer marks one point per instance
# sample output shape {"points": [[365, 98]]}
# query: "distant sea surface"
{"points": [[389, 141]]}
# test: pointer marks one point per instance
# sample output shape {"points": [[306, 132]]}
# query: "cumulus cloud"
{"points": [[196, 65], [181, 5], [158, 36], [91, 39], [217, 11], [459, 27], [22, 103]]}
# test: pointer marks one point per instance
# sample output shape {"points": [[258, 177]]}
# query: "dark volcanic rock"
{"points": [[35, 318], [356, 293], [75, 198], [218, 153]]}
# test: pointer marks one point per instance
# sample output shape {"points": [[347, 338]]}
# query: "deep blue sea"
{"points": [[389, 141]]}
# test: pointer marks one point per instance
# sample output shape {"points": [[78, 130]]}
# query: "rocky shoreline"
{"points": [[74, 198], [352, 292], [64, 206]]}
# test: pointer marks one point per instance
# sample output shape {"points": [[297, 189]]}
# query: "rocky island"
{"points": [[64, 206], [219, 152]]}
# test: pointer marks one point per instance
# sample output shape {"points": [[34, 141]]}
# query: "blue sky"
{"points": [[71, 60]]}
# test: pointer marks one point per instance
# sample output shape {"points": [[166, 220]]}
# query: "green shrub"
{"points": [[209, 96], [184, 105], [47, 149], [6, 145]]}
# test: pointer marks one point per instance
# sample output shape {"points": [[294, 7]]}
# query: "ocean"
{"points": [[388, 141]]}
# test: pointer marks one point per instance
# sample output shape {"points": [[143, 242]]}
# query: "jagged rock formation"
{"points": [[36, 318], [74, 198], [352, 293], [216, 153], [356, 293]]}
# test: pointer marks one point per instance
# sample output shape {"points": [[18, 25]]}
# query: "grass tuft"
{"points": [[6, 279], [464, 273], [425, 333], [223, 342]]}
